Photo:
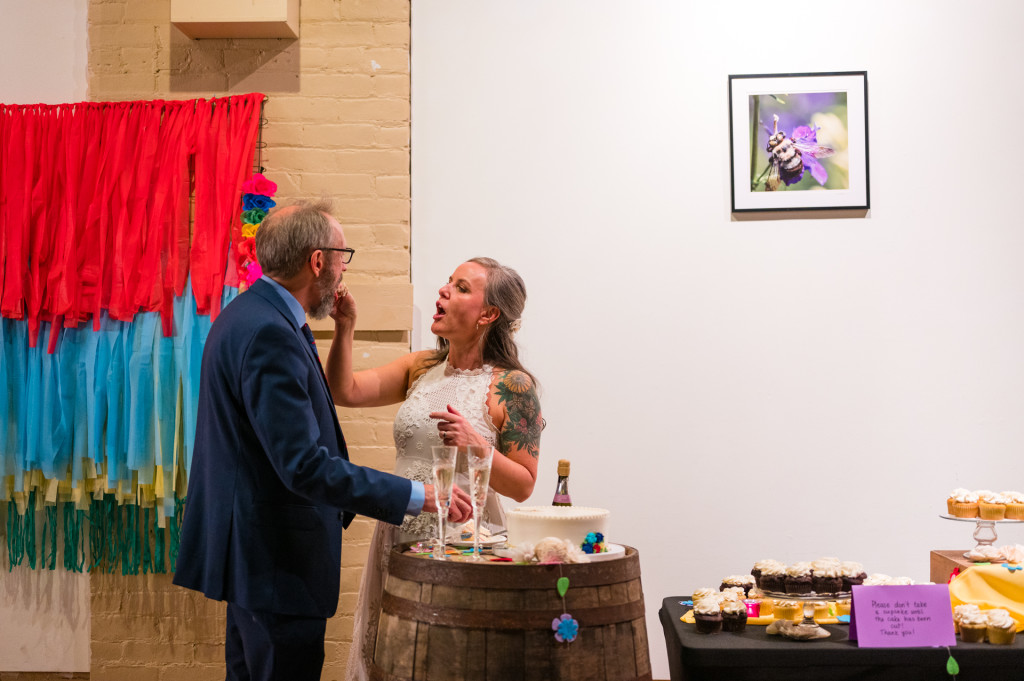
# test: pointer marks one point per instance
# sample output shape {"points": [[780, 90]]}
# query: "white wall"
{"points": [[736, 390], [43, 51], [44, 616]]}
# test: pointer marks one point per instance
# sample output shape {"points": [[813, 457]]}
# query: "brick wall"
{"points": [[337, 122]]}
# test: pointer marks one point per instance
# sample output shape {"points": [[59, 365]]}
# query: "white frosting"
{"points": [[964, 496], [801, 569], [851, 568], [974, 618], [877, 579], [707, 606], [984, 494], [530, 524], [1013, 497], [1000, 619], [959, 610], [737, 607]]}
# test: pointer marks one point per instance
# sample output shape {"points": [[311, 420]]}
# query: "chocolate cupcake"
{"points": [[851, 573], [745, 582], [762, 566], [773, 578], [707, 616], [798, 578], [734, 616], [825, 576]]}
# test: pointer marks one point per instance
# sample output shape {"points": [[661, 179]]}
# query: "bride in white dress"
{"points": [[471, 390]]}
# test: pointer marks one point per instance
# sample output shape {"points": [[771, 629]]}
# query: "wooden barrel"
{"points": [[457, 621]]}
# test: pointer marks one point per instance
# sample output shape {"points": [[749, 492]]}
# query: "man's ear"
{"points": [[316, 261]]}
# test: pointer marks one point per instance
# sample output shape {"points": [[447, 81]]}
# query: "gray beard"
{"points": [[326, 297]]}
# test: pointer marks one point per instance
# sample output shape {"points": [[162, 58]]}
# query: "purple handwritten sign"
{"points": [[902, 616]]}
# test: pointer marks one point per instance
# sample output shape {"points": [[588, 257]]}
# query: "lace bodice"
{"points": [[415, 432]]}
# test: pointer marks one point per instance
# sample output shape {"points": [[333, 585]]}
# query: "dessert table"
{"points": [[755, 656]]}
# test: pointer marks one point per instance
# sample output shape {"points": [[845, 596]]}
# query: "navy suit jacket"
{"points": [[271, 487]]}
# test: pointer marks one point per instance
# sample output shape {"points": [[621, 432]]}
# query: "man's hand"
{"points": [[461, 509]]}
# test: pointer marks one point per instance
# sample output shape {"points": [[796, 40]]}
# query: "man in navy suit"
{"points": [[271, 487]]}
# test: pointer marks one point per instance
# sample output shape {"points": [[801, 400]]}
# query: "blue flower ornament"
{"points": [[565, 628]]}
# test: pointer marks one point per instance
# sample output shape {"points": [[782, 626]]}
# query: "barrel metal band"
{"points": [[465, 618]]}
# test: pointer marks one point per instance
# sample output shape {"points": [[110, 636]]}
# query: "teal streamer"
{"points": [[159, 546], [112, 530], [49, 552], [74, 551], [30, 530], [15, 536], [97, 524], [147, 550], [131, 554], [179, 510]]}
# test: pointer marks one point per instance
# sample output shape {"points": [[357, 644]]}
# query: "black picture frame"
{"points": [[820, 162]]}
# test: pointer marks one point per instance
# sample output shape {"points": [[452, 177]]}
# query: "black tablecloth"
{"points": [[754, 655]]}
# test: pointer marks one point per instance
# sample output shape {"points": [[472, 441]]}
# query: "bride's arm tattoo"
{"points": [[522, 428]]}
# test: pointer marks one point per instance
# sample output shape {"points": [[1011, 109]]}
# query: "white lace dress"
{"points": [[415, 433]]}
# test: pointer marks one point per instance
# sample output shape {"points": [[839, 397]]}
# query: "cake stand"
{"points": [[808, 601], [984, 530]]}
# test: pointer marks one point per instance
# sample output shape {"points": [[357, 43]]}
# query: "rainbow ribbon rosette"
{"points": [[256, 201]]}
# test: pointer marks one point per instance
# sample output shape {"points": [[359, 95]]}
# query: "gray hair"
{"points": [[284, 242]]}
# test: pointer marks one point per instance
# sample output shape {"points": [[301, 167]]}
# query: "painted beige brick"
{"points": [[122, 672], [122, 35], [341, 136], [393, 137], [344, 85], [395, 34], [393, 186], [193, 672], [373, 109], [379, 209], [393, 235], [374, 161], [391, 85], [340, 185], [107, 13], [376, 10]]}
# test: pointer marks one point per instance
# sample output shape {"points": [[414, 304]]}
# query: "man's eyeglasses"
{"points": [[346, 253]]}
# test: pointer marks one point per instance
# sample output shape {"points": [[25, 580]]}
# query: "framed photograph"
{"points": [[799, 141]]}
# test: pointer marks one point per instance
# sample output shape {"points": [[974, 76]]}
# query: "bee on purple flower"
{"points": [[789, 156]]}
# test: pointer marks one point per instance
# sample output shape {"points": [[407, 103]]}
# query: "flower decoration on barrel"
{"points": [[566, 628], [256, 201]]}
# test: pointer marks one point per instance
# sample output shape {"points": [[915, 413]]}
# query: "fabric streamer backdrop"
{"points": [[101, 260]]}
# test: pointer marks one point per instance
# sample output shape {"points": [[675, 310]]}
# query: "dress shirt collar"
{"points": [[293, 305]]}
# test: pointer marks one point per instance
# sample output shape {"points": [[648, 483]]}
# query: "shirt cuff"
{"points": [[416, 499]]}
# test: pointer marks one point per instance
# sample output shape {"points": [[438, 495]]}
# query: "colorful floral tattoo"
{"points": [[522, 429]]}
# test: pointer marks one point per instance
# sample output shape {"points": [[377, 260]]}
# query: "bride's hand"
{"points": [[454, 429]]}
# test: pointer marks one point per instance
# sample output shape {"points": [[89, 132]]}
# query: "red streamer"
{"points": [[94, 206]]}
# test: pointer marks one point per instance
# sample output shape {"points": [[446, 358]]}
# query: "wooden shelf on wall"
{"points": [[236, 18]]}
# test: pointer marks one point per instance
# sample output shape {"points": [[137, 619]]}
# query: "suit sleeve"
{"points": [[285, 418]]}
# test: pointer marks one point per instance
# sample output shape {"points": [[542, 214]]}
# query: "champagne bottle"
{"points": [[562, 488]]}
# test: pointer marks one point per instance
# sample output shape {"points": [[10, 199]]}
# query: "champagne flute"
{"points": [[443, 469], [478, 461]]}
